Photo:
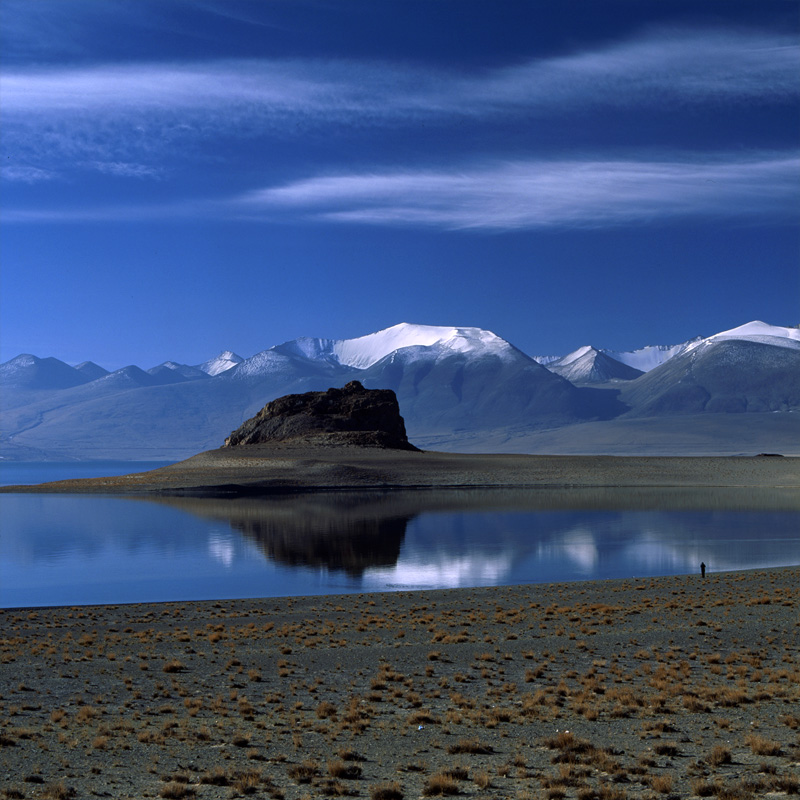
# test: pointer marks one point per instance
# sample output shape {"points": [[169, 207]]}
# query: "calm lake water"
{"points": [[70, 550], [17, 473]]}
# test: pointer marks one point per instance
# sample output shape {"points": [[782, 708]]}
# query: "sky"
{"points": [[181, 177]]}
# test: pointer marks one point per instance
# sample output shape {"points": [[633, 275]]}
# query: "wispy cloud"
{"points": [[518, 195], [123, 169], [26, 174], [679, 65], [135, 103], [536, 194]]}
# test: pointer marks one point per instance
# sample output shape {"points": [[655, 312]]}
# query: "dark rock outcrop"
{"points": [[352, 415]]}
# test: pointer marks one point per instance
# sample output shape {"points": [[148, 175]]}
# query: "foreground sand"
{"points": [[265, 468], [667, 687]]}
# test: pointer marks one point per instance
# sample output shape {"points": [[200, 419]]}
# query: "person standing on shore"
{"points": [[703, 568]]}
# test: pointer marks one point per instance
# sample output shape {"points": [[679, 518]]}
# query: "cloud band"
{"points": [[535, 194]]}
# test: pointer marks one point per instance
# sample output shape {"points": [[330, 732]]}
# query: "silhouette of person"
{"points": [[703, 568]]}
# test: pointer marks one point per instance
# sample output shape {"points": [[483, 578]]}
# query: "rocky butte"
{"points": [[351, 415]]}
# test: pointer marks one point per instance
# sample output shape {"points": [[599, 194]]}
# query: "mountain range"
{"points": [[737, 391]]}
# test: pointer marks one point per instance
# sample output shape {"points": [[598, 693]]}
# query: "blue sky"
{"points": [[182, 177]]}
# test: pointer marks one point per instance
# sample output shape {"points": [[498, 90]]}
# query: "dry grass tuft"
{"points": [[762, 746], [439, 785], [246, 782], [57, 791], [175, 791], [471, 746], [666, 749], [215, 777], [340, 769], [661, 784], [386, 791], [325, 710], [719, 755], [303, 773]]}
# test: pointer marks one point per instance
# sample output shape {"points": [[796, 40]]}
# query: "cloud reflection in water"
{"points": [[68, 550]]}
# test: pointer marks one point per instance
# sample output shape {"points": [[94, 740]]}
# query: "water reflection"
{"points": [[80, 549], [429, 538]]}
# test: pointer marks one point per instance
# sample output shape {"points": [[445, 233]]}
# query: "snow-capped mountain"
{"points": [[742, 370], [226, 360], [458, 388], [756, 331], [588, 365], [451, 377], [364, 351], [642, 359], [646, 358]]}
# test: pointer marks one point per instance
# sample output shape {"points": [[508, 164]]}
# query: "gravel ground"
{"points": [[668, 687]]}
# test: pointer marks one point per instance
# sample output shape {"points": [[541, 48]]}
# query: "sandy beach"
{"points": [[667, 687]]}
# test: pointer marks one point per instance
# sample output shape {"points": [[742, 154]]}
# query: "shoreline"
{"points": [[267, 469], [596, 583], [666, 686]]}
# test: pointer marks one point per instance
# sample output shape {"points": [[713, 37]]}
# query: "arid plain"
{"points": [[668, 687]]}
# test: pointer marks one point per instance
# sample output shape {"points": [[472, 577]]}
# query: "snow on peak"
{"points": [[758, 331], [651, 356], [576, 354], [222, 363], [366, 350]]}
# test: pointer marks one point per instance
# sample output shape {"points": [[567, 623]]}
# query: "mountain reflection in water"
{"points": [[72, 550], [352, 532]]}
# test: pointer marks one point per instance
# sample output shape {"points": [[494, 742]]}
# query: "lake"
{"points": [[17, 473], [73, 550]]}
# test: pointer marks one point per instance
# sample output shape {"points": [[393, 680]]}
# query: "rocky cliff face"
{"points": [[351, 415]]}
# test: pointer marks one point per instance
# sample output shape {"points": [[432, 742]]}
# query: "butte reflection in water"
{"points": [[355, 532]]}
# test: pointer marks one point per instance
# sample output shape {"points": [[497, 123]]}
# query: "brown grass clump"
{"points": [[386, 791], [439, 785], [340, 769], [56, 791], [572, 748], [215, 777], [719, 755], [86, 714], [246, 782], [666, 749], [422, 717], [175, 791], [325, 710], [173, 666], [787, 783], [702, 788], [661, 784], [762, 746], [303, 773], [482, 779], [349, 755], [471, 746]]}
